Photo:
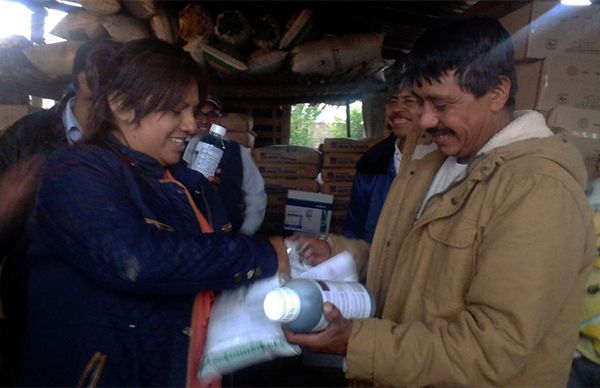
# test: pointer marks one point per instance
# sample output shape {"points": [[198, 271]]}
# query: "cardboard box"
{"points": [[287, 154], [279, 185], [582, 128], [344, 144], [338, 174], [339, 159], [543, 28], [280, 170], [558, 80], [307, 212], [337, 188]]}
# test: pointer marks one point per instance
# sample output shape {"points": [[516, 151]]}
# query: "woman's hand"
{"points": [[315, 251], [216, 179], [282, 257]]}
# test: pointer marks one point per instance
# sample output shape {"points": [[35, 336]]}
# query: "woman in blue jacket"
{"points": [[126, 242]]}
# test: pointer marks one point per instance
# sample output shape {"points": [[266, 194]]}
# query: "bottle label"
{"points": [[190, 153], [207, 160], [352, 299]]}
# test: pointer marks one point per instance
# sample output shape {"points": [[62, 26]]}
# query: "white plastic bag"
{"points": [[239, 333]]}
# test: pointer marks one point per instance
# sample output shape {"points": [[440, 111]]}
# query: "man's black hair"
{"points": [[479, 49]]}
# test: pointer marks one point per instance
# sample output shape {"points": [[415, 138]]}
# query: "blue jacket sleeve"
{"points": [[356, 219], [89, 217]]}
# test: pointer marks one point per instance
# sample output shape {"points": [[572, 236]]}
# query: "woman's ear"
{"points": [[126, 116], [500, 93]]}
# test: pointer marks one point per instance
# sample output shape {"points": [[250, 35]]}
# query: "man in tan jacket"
{"points": [[482, 285]]}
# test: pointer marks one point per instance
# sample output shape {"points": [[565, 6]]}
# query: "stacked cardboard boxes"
{"points": [[285, 167], [557, 48], [339, 168]]}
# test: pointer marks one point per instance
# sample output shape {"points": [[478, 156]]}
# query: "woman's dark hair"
{"points": [[478, 48], [92, 58], [147, 75]]}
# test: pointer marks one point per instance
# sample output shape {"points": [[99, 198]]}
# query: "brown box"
{"points": [[330, 174], [287, 154], [337, 188], [544, 28], [348, 145], [278, 185], [343, 160], [572, 80], [281, 170]]}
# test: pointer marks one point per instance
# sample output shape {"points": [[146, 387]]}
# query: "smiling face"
{"points": [[207, 116], [161, 135], [459, 123], [402, 112]]}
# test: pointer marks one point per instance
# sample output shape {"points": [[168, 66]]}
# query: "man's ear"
{"points": [[500, 93], [123, 115]]}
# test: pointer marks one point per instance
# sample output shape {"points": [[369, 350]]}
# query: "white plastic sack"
{"points": [[239, 333], [340, 267]]}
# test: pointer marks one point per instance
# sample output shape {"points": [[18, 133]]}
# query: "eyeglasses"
{"points": [[210, 116]]}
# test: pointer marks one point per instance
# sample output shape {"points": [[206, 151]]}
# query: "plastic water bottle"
{"points": [[298, 304], [208, 151]]}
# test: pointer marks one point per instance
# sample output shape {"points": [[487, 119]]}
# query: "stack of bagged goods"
{"points": [[337, 174], [239, 128], [285, 167], [228, 41], [557, 70]]}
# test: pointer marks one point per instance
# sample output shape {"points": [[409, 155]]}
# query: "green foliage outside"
{"points": [[357, 128], [302, 128], [301, 117]]}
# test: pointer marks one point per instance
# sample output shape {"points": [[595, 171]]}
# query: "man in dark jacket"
{"points": [[24, 146], [378, 167]]}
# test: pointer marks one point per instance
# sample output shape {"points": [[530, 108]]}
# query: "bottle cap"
{"points": [[218, 129], [282, 305]]}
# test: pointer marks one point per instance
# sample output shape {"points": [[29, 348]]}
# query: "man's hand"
{"points": [[283, 261], [334, 339], [315, 250]]}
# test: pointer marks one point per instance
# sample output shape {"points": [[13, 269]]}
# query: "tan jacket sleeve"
{"points": [[358, 248], [531, 261]]}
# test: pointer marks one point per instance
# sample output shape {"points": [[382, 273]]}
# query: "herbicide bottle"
{"points": [[208, 151], [298, 304]]}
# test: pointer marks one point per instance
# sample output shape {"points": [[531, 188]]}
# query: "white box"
{"points": [[559, 80], [308, 212], [543, 28]]}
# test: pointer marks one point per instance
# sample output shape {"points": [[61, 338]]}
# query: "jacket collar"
{"points": [[146, 164]]}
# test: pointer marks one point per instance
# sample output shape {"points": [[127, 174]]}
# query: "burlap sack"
{"points": [[163, 27], [79, 25], [336, 55], [101, 7], [56, 59], [141, 9], [233, 28], [266, 61], [266, 32], [194, 21], [123, 28]]}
